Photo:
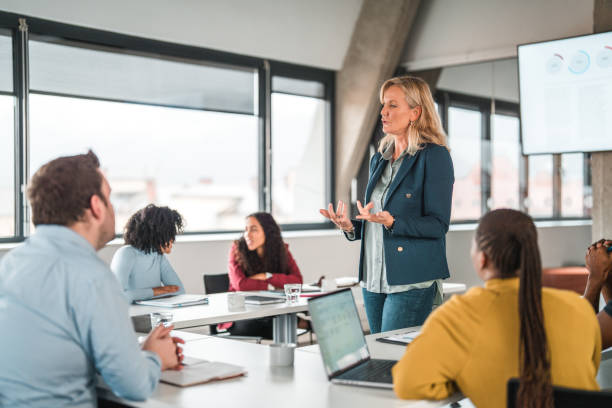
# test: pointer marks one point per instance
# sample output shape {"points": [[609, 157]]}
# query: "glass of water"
{"points": [[158, 318], [292, 292]]}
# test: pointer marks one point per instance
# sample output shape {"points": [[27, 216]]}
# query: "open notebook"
{"points": [[175, 301], [198, 371]]}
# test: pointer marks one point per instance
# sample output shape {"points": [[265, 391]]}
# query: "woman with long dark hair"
{"points": [[141, 265], [510, 328], [260, 260]]}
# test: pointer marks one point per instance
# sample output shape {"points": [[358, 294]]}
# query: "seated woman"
{"points": [[141, 266], [260, 260], [510, 328]]}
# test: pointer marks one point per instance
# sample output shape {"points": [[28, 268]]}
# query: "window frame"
{"points": [[101, 38], [485, 106]]}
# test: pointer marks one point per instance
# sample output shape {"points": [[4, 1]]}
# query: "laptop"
{"points": [[343, 347]]}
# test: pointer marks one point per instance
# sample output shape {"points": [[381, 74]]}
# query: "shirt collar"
{"points": [[499, 283], [63, 235], [388, 153]]}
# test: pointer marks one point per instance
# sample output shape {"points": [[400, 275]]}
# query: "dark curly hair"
{"points": [[275, 253], [152, 228]]}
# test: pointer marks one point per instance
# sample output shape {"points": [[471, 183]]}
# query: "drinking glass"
{"points": [[158, 318], [292, 292]]}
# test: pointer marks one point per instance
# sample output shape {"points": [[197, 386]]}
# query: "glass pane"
{"points": [[107, 74], [506, 152], [540, 186], [203, 164], [464, 130], [6, 61], [298, 87], [7, 166], [298, 161], [572, 185]]}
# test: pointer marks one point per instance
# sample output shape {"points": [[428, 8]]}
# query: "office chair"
{"points": [[218, 284], [566, 397]]}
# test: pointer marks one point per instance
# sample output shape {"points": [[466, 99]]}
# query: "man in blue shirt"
{"points": [[63, 313]]}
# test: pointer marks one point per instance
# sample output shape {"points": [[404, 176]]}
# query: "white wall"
{"points": [[495, 79], [312, 32], [450, 32], [328, 253]]}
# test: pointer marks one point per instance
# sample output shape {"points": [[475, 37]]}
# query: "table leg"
{"points": [[284, 328]]}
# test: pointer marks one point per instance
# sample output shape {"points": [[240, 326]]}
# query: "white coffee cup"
{"points": [[281, 354], [235, 302]]}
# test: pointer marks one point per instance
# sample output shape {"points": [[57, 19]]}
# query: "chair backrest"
{"points": [[566, 397], [216, 283]]}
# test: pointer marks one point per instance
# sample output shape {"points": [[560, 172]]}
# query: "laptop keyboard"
{"points": [[378, 371]]}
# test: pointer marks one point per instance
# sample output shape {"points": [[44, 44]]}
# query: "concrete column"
{"points": [[601, 163], [380, 34]]}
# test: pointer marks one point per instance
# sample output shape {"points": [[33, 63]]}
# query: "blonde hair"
{"points": [[427, 128]]}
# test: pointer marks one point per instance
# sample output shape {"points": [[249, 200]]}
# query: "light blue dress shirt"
{"points": [[139, 273], [63, 319]]}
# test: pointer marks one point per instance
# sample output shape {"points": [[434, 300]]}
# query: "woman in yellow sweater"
{"points": [[512, 327]]}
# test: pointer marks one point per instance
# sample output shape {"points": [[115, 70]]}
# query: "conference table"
{"points": [[218, 311], [305, 384]]}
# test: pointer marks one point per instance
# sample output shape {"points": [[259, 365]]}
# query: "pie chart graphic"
{"points": [[604, 57], [554, 64], [579, 62]]}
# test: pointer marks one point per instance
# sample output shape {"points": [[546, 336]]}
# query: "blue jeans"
{"points": [[398, 310]]}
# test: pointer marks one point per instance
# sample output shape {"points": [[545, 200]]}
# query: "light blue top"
{"points": [[139, 273], [63, 319]]}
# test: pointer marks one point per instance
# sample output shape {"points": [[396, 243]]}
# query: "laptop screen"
{"points": [[338, 329]]}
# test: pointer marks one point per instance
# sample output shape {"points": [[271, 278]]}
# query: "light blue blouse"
{"points": [[64, 319], [139, 273]]}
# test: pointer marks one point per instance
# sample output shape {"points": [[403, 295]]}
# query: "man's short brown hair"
{"points": [[61, 190]]}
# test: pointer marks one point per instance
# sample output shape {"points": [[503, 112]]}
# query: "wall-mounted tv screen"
{"points": [[566, 94]]}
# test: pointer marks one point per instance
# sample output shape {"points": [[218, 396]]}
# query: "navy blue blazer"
{"points": [[419, 198]]}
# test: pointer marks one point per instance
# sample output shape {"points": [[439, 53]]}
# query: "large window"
{"points": [[7, 137], [505, 160], [491, 172], [464, 129], [172, 125], [298, 145]]}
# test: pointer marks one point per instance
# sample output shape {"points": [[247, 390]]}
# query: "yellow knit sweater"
{"points": [[471, 343]]}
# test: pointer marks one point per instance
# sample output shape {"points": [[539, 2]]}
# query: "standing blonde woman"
{"points": [[404, 223]]}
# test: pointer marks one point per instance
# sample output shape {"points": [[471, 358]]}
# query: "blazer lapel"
{"points": [[374, 179], [405, 167]]}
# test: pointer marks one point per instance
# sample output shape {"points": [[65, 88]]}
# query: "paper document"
{"points": [[400, 338], [175, 301], [198, 371]]}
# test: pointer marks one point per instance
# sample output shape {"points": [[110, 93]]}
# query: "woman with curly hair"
{"points": [[260, 260], [141, 266]]}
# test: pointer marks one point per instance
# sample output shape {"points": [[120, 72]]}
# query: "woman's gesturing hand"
{"points": [[381, 217], [338, 217]]}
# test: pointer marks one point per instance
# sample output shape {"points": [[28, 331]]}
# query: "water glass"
{"points": [[158, 318], [292, 292]]}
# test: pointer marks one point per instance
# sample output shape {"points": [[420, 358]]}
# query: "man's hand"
{"points": [[381, 217], [160, 342]]}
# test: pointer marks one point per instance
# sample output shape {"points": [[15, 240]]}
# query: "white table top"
{"points": [[216, 311], [303, 385]]}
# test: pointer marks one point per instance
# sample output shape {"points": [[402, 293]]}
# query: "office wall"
{"points": [[313, 32], [328, 253], [449, 32]]}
